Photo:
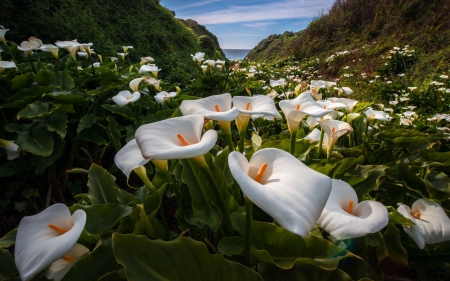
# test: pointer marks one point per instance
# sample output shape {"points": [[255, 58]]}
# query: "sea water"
{"points": [[236, 53]]}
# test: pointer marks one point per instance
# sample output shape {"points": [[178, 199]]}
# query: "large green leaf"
{"points": [[70, 96], [365, 178], [93, 266], [180, 259], [26, 96], [41, 163], [396, 217], [274, 244], [37, 141], [14, 167], [113, 133], [45, 77], [389, 245], [8, 266], [124, 111], [86, 122], [9, 239], [102, 217], [22, 81], [101, 186], [301, 272], [64, 81], [56, 121], [34, 110]]}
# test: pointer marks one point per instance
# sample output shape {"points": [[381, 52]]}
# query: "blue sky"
{"points": [[241, 24]]}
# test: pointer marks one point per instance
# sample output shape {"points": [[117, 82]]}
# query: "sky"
{"points": [[242, 24]]}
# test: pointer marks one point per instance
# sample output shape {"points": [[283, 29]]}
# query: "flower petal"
{"points": [[129, 158], [59, 268], [295, 204], [159, 140], [257, 105], [366, 217], [206, 107], [38, 246]]}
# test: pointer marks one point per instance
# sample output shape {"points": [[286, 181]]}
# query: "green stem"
{"points": [[293, 139], [248, 225], [32, 65], [229, 230], [12, 55], [354, 133], [92, 64], [229, 141], [148, 226], [241, 141], [319, 149], [78, 74]]}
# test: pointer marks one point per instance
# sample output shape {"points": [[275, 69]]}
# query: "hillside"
{"points": [[353, 25], [150, 28], [208, 41]]}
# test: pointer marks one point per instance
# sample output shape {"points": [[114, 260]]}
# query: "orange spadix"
{"points": [[333, 130], [261, 172], [57, 228], [67, 258], [298, 107], [416, 215], [247, 106], [182, 140], [216, 107], [350, 207]]}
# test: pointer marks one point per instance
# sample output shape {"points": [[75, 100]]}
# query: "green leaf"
{"points": [[113, 133], [9, 239], [45, 77], [301, 272], [56, 121], [14, 167], [273, 244], [34, 110], [70, 96], [365, 178], [38, 141], [101, 186], [41, 163], [93, 266], [26, 96], [64, 81], [389, 245], [8, 267], [187, 259], [102, 217], [22, 81], [124, 111], [397, 218], [86, 122], [92, 136]]}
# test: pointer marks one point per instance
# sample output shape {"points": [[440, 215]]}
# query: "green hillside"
{"points": [[150, 28], [368, 30]]}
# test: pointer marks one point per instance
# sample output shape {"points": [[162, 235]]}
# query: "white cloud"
{"points": [[197, 4], [285, 9], [258, 24]]}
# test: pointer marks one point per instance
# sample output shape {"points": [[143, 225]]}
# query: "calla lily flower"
{"points": [[217, 107], [161, 97], [198, 57], [145, 60], [210, 63], [204, 68], [59, 268], [254, 105], [344, 218], [129, 157], [348, 102], [376, 114], [294, 204], [153, 81], [50, 48], [150, 68], [296, 109], [134, 84], [2, 34], [12, 149], [432, 225], [175, 138], [221, 62], [256, 142], [334, 129], [46, 237], [71, 46], [276, 83], [32, 44], [6, 64], [125, 48], [330, 105], [125, 97]]}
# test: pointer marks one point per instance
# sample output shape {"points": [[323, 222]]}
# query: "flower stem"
{"points": [[241, 141], [201, 163], [248, 226], [148, 226], [319, 149], [293, 139], [78, 74], [12, 55], [32, 65]]}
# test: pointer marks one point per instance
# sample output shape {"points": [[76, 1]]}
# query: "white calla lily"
{"points": [[50, 48], [432, 225], [163, 96], [296, 109], [129, 157], [46, 237], [347, 102], [295, 204], [175, 138], [334, 129], [344, 218], [376, 114], [253, 105], [125, 97], [57, 270], [134, 84], [217, 107], [12, 149], [330, 105]]}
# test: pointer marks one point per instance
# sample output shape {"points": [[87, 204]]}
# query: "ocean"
{"points": [[236, 53]]}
